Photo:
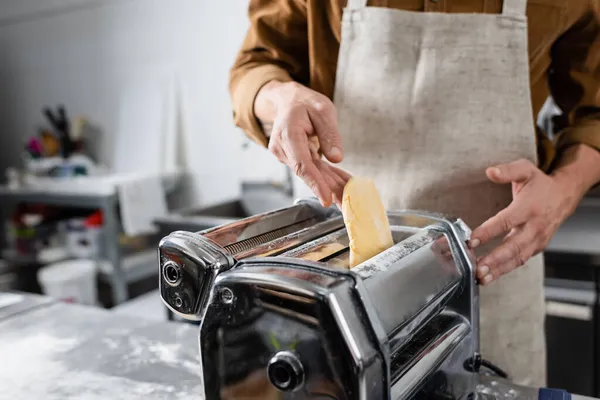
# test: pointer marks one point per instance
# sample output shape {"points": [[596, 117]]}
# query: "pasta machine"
{"points": [[283, 317]]}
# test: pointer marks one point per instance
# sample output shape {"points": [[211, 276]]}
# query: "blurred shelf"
{"points": [[47, 256], [136, 266], [57, 198]]}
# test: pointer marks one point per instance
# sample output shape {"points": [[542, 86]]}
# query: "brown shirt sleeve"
{"points": [[275, 48], [575, 81]]}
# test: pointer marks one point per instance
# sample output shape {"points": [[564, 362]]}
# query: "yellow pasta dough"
{"points": [[365, 219]]}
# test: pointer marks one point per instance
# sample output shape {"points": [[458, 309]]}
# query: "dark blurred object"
{"points": [[61, 124]]}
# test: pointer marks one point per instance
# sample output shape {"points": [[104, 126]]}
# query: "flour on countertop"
{"points": [[33, 367], [160, 353]]}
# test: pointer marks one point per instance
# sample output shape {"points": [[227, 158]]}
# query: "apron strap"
{"points": [[356, 4], [514, 7]]}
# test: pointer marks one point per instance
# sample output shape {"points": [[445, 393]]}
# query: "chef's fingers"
{"points": [[336, 189], [340, 181], [323, 116], [299, 159], [514, 252], [341, 173], [275, 143], [336, 184], [512, 216], [338, 192], [517, 171], [342, 177]]}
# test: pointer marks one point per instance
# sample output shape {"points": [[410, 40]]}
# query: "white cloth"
{"points": [[426, 102], [141, 200]]}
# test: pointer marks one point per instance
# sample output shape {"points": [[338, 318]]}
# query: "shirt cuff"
{"points": [[244, 94], [546, 150], [585, 132]]}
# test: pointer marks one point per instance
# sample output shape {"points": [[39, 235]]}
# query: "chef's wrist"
{"points": [[264, 106], [268, 99], [570, 190], [577, 170]]}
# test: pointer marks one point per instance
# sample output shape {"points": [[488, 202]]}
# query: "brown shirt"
{"points": [[299, 40]]}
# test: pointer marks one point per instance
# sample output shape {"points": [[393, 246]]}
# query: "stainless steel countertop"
{"points": [[56, 351], [59, 351]]}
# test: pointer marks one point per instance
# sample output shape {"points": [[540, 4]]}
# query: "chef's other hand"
{"points": [[540, 204], [304, 126]]}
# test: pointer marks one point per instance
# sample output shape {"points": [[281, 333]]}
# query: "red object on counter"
{"points": [[95, 220]]}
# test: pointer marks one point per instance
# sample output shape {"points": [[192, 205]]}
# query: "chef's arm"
{"points": [[575, 86], [275, 50]]}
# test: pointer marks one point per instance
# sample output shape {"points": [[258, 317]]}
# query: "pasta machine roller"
{"points": [[283, 317]]}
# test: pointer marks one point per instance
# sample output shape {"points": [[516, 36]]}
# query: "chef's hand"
{"points": [[540, 204], [304, 126]]}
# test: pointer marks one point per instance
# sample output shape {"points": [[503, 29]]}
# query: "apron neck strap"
{"points": [[356, 4], [514, 7]]}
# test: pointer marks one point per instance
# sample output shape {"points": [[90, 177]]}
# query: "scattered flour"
{"points": [[30, 368], [161, 353]]}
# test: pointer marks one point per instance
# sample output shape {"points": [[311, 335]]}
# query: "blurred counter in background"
{"points": [[572, 287]]}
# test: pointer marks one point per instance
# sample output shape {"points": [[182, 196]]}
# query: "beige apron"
{"points": [[427, 101]]}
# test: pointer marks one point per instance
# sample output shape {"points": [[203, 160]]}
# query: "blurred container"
{"points": [[84, 236], [72, 281]]}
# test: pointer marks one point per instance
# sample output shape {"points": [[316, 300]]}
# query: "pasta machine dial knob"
{"points": [[285, 371]]}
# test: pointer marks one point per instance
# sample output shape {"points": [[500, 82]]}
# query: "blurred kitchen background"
{"points": [[116, 129]]}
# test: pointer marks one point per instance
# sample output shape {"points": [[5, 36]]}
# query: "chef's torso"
{"points": [[426, 102]]}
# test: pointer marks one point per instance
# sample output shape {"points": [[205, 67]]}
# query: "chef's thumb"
{"points": [[333, 149], [516, 171]]}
